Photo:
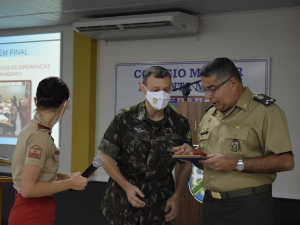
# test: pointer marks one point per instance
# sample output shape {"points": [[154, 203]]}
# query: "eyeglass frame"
{"points": [[213, 91]]}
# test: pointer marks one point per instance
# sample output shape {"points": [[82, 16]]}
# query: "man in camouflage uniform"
{"points": [[140, 139]]}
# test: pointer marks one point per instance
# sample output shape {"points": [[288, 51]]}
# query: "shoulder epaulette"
{"points": [[208, 108], [264, 99]]}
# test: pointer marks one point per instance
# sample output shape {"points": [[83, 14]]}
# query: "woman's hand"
{"points": [[79, 182]]}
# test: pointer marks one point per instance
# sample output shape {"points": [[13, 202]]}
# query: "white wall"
{"points": [[274, 34], [67, 76]]}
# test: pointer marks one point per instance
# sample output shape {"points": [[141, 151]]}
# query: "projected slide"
{"points": [[24, 62], [15, 98]]}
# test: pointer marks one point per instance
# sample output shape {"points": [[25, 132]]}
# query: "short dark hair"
{"points": [[223, 68], [51, 93], [158, 71]]}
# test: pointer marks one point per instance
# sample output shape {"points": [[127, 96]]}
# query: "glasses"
{"points": [[213, 91]]}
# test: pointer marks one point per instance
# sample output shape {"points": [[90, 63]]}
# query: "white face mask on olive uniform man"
{"points": [[159, 100], [60, 116]]}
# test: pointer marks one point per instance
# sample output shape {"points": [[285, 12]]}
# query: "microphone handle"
{"points": [[87, 173]]}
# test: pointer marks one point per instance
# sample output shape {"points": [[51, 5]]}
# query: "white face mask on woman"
{"points": [[159, 100]]}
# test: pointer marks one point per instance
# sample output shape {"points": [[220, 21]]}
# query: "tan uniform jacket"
{"points": [[250, 129], [35, 146]]}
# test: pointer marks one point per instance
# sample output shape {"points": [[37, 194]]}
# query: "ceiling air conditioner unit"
{"points": [[138, 26]]}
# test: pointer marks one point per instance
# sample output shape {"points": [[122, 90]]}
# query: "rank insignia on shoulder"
{"points": [[263, 99]]}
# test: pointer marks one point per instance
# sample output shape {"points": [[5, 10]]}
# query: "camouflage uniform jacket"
{"points": [[142, 150]]}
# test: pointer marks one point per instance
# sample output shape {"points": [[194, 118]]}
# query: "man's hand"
{"points": [[132, 192], [220, 162], [185, 149], [171, 208]]}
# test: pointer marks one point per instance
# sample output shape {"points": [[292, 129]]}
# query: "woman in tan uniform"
{"points": [[36, 159]]}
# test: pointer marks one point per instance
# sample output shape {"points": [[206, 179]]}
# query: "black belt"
{"points": [[240, 192]]}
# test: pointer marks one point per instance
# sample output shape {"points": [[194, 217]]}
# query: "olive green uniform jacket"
{"points": [[254, 127]]}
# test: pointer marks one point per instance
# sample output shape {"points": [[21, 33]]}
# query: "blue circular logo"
{"points": [[196, 183]]}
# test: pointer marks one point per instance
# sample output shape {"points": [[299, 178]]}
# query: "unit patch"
{"points": [[235, 145], [168, 131], [35, 151], [189, 135]]}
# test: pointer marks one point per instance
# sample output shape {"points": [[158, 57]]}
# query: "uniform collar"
{"points": [[245, 99], [141, 115], [42, 124], [242, 103]]}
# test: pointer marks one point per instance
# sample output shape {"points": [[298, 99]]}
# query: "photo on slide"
{"points": [[15, 106]]}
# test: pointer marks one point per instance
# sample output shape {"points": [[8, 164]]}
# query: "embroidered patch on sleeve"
{"points": [[189, 135], [35, 151]]}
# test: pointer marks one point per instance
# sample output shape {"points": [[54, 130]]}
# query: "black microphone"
{"points": [[97, 162], [186, 85]]}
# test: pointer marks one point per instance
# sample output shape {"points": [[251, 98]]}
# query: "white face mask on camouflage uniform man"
{"points": [[159, 100]]}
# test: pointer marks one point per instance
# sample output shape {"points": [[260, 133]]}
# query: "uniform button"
{"points": [[212, 176], [223, 120]]}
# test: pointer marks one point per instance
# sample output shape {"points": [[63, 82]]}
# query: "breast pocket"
{"points": [[56, 155], [52, 162], [236, 142], [163, 146], [135, 148], [203, 138]]}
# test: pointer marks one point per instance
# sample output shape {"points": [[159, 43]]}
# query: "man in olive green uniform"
{"points": [[247, 139], [140, 139]]}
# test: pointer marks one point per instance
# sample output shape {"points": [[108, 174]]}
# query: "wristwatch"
{"points": [[240, 165]]}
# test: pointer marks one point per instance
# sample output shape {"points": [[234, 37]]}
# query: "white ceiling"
{"points": [[35, 13]]}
